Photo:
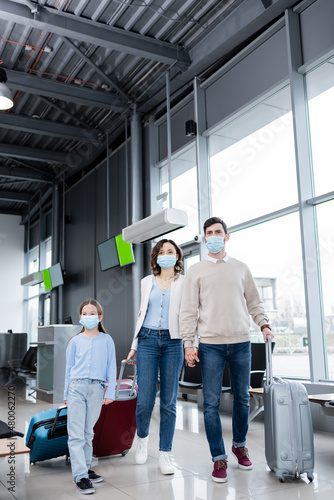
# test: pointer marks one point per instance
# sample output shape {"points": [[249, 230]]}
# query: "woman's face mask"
{"points": [[166, 261]]}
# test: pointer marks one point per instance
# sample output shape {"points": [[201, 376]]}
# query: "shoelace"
{"points": [[85, 480], [221, 464], [244, 451], [165, 459]]}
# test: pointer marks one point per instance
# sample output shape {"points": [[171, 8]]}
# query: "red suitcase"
{"points": [[115, 429]]}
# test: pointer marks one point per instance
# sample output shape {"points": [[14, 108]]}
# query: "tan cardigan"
{"points": [[217, 301]]}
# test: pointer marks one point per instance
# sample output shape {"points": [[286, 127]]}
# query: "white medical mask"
{"points": [[215, 244], [166, 261], [89, 321]]}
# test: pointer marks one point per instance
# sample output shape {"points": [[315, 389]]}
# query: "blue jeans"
{"points": [[158, 352], [213, 358], [84, 404]]}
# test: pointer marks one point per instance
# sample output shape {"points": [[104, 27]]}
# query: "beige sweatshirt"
{"points": [[217, 301]]}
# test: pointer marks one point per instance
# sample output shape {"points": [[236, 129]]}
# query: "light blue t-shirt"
{"points": [[93, 358], [158, 308]]}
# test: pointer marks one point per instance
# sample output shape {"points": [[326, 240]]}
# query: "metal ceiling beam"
{"points": [[113, 84], [25, 82], [38, 155], [15, 196], [72, 26], [46, 127], [24, 174]]}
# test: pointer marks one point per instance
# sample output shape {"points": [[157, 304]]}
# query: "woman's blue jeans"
{"points": [[84, 404], [213, 358], [157, 352]]}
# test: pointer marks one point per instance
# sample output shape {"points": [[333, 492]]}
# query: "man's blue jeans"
{"points": [[158, 352], [213, 358]]}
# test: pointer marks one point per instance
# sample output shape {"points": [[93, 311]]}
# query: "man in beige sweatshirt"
{"points": [[219, 295]]}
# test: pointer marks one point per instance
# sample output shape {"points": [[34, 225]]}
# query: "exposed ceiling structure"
{"points": [[77, 68]]}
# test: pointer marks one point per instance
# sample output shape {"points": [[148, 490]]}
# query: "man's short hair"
{"points": [[214, 220]]}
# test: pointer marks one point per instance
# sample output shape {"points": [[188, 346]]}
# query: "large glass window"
{"points": [[184, 192], [320, 93], [272, 251], [252, 162], [325, 214]]}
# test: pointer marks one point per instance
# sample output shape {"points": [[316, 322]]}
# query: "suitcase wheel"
{"points": [[310, 478], [281, 479], [125, 452]]}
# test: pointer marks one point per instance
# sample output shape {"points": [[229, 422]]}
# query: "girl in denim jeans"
{"points": [[90, 362]]}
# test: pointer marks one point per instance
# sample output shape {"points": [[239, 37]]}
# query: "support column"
{"points": [[202, 159], [136, 201], [310, 253], [55, 314]]}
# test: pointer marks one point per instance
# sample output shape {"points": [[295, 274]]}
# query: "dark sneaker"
{"points": [[219, 474], [85, 486], [94, 478], [241, 454]]}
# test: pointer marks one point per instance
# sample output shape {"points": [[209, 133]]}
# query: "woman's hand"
{"points": [[107, 401], [190, 355], [131, 355]]}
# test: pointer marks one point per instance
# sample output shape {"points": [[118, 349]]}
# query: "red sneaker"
{"points": [[241, 454], [219, 474]]}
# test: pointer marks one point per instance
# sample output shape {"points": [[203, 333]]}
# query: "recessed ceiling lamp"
{"points": [[6, 101]]}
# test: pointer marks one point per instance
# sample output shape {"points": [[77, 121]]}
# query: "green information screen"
{"points": [[47, 279], [125, 251]]}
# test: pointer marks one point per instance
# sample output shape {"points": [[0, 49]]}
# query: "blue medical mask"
{"points": [[89, 321], [215, 244], [166, 261]]}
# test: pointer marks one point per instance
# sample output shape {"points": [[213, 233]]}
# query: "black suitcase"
{"points": [[47, 434]]}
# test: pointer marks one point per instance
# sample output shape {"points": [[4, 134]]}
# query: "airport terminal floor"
{"points": [[124, 480]]}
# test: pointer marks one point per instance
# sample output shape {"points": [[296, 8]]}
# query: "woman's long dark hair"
{"points": [[178, 268]]}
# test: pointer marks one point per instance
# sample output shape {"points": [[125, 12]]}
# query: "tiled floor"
{"points": [[124, 480]]}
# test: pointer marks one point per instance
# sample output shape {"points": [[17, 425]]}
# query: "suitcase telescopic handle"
{"points": [[269, 363], [121, 372], [61, 407]]}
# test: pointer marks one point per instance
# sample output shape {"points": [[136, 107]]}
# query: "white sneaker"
{"points": [[141, 451], [164, 463]]}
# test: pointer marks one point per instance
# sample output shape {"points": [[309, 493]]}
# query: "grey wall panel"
{"points": [[178, 128], [79, 246], [317, 32], [86, 204], [259, 72], [114, 287]]}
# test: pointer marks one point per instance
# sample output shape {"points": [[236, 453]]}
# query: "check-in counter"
{"points": [[52, 341]]}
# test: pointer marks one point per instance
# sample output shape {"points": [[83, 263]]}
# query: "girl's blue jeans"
{"points": [[85, 397], [213, 358], [158, 353]]}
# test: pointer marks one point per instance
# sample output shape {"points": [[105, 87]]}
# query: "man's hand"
{"points": [[266, 332], [190, 355]]}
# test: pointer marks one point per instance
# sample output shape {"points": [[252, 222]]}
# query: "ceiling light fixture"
{"points": [[6, 101]]}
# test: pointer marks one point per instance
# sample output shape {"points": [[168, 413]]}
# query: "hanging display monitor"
{"points": [[52, 277], [125, 251], [108, 254]]}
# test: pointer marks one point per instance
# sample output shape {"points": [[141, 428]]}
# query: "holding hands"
{"points": [[190, 355]]}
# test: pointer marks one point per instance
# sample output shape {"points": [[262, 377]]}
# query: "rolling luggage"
{"points": [[115, 429], [288, 425], [47, 434]]}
